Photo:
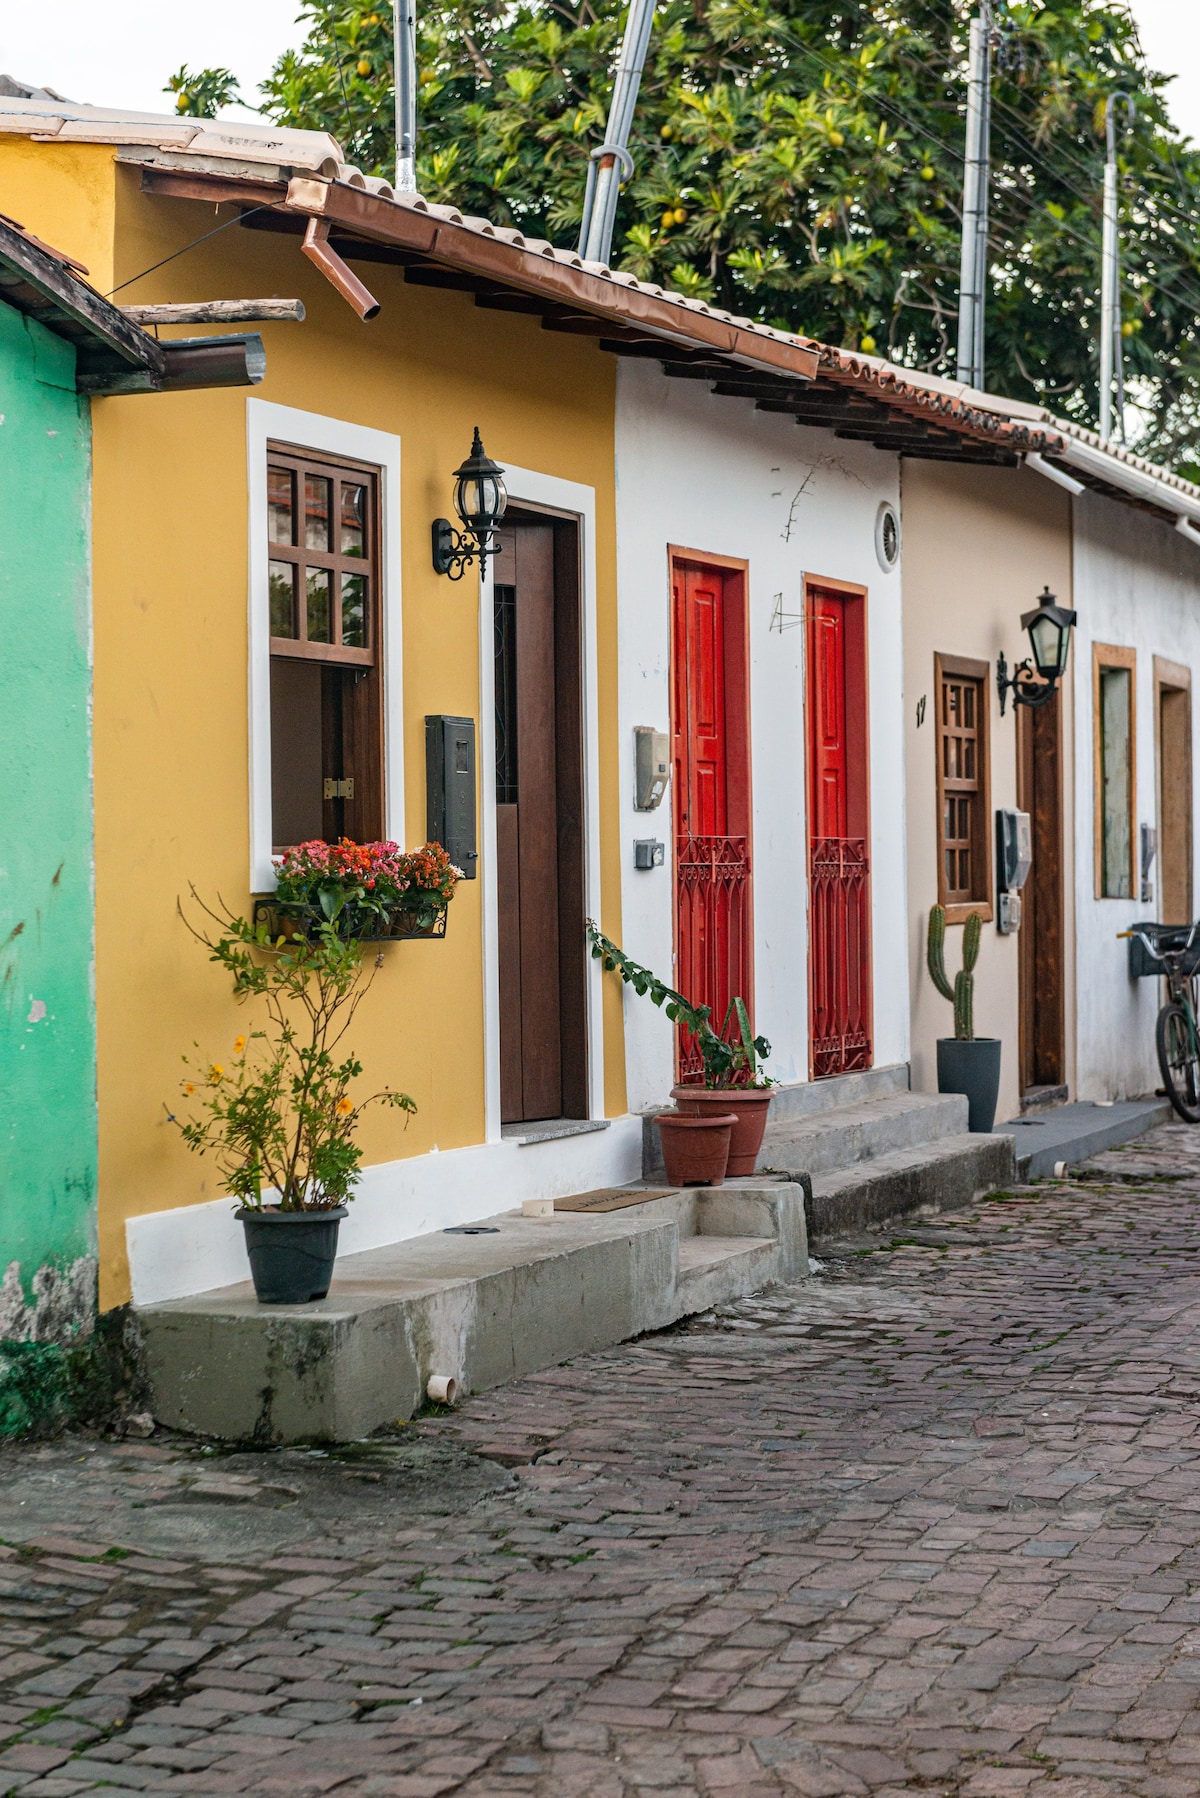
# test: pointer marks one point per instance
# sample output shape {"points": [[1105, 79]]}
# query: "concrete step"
{"points": [[1071, 1133], [482, 1309], [933, 1176], [804, 1098], [847, 1134], [805, 1102]]}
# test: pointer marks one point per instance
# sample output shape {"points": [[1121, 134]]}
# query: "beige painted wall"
{"points": [[979, 546]]}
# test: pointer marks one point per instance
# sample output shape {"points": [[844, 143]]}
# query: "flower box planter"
{"points": [[401, 923]]}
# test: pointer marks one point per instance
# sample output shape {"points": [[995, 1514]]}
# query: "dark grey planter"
{"points": [[291, 1253], [973, 1068]]}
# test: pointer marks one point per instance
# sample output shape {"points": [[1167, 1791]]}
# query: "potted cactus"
{"points": [[966, 1063]]}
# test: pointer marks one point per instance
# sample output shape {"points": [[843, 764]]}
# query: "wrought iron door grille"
{"points": [[839, 927], [713, 880]]}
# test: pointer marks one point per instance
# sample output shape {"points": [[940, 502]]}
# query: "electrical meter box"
{"points": [[1014, 858], [652, 766], [450, 789]]}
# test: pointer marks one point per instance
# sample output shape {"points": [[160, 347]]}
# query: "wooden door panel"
{"points": [[531, 833], [541, 1054], [508, 881], [1040, 941]]}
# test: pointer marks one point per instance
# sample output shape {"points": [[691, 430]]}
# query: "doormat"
{"points": [[614, 1198]]}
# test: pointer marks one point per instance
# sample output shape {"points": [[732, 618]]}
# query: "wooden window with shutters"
{"points": [[963, 787], [326, 648]]}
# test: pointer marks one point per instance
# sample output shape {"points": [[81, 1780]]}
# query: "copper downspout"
{"points": [[316, 248]]}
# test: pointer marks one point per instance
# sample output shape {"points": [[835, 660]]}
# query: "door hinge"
{"points": [[339, 789]]}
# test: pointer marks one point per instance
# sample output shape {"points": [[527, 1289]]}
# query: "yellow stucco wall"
{"points": [[979, 546], [170, 583]]}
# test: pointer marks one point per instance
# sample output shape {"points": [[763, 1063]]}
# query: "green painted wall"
{"points": [[47, 1013]]}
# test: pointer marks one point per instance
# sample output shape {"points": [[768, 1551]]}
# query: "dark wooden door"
{"points": [[1039, 792], [839, 915], [1174, 803], [711, 751], [539, 823]]}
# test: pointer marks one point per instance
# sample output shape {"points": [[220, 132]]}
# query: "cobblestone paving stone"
{"points": [[927, 1524]]}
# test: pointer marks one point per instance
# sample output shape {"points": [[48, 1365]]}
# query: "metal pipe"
{"points": [[600, 201], [1110, 300], [405, 71], [972, 280], [317, 248]]}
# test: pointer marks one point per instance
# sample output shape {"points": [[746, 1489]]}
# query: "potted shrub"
{"points": [[279, 1119], [732, 1082], [966, 1063], [371, 892]]}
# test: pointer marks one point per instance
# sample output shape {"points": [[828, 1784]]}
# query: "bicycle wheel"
{"points": [[1179, 1061]]}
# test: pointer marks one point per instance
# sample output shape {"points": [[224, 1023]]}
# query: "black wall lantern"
{"points": [[1034, 682], [480, 501]]}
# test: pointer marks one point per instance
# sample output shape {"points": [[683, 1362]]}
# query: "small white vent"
{"points": [[887, 537]]}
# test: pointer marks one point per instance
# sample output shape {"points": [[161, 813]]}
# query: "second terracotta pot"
{"points": [[695, 1146], [749, 1105]]}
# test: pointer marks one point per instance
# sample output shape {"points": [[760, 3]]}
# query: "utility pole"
{"points": [[604, 176], [1110, 275], [405, 68], [973, 268]]}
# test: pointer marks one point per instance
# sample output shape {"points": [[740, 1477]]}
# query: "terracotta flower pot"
{"points": [[695, 1146], [749, 1105]]}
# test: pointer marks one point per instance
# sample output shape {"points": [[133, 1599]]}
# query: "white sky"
{"points": [[120, 52]]}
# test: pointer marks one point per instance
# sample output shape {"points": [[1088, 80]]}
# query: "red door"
{"points": [[711, 792], [839, 887]]}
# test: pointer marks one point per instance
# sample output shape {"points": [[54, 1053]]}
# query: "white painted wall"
{"points": [[715, 475], [1137, 585]]}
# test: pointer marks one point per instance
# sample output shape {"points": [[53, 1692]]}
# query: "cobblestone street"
{"points": [[928, 1524]]}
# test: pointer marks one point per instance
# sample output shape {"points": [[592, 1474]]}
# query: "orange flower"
{"points": [[188, 1088], [216, 1074], [239, 1044], [344, 1107]]}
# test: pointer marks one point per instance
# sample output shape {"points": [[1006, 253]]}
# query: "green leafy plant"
{"points": [[201, 93], [730, 1056], [279, 1119], [962, 994], [802, 164]]}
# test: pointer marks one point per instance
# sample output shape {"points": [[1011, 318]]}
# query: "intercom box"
{"points": [[450, 789]]}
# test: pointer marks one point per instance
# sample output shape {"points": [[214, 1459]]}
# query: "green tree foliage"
{"points": [[201, 93], [802, 162]]}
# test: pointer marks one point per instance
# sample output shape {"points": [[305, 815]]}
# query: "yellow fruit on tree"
{"points": [[867, 344], [927, 173], [837, 139], [680, 215], [364, 67], [668, 217]]}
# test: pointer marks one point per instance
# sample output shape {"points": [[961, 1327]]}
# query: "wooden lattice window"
{"points": [[963, 837], [326, 662]]}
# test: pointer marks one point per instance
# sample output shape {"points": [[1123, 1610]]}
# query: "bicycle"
{"points": [[1176, 1033]]}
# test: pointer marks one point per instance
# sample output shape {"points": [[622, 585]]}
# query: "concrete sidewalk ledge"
{"points": [[1071, 1133], [484, 1309]]}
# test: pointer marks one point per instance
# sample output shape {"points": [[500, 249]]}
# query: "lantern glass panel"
{"points": [[1049, 640]]}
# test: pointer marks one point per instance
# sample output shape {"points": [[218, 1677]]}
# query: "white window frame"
{"points": [[336, 437]]}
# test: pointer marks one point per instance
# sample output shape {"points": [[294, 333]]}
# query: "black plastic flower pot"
{"points": [[972, 1067], [291, 1253]]}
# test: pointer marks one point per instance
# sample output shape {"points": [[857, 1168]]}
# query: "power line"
{"points": [[1164, 288]]}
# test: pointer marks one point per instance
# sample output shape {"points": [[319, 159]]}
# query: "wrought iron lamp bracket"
{"points": [[454, 551], [1024, 685]]}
